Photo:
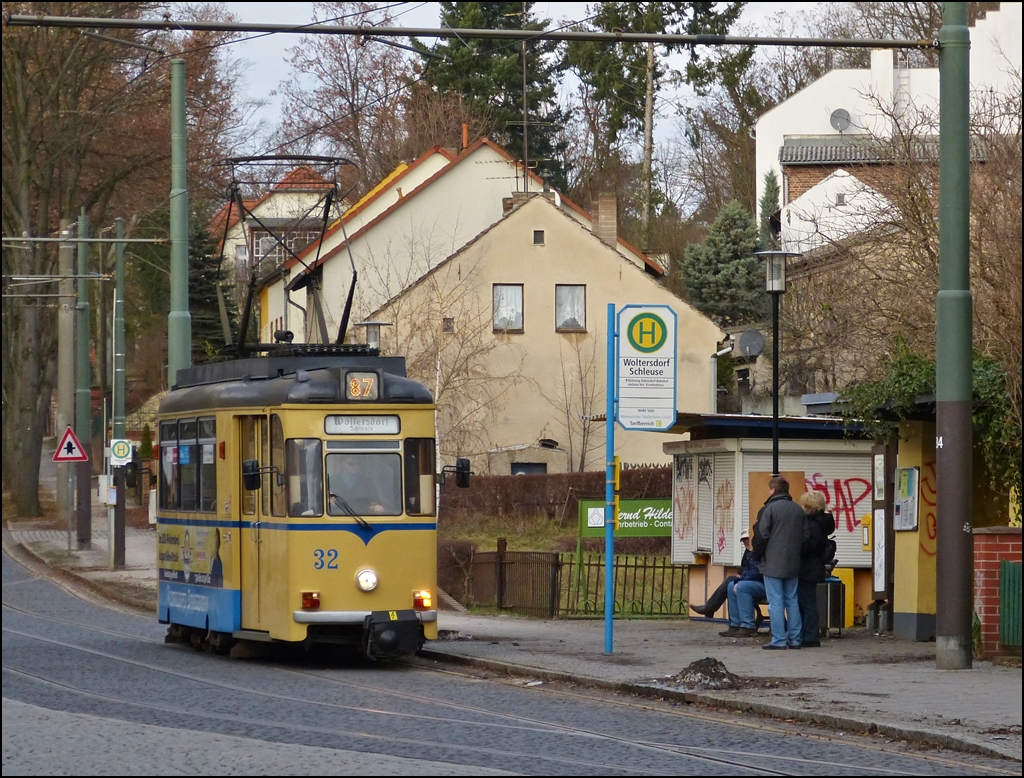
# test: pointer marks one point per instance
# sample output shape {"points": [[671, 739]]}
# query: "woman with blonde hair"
{"points": [[819, 525]]}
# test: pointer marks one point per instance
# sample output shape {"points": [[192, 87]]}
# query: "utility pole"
{"points": [[118, 431], [526, 126], [83, 390], [179, 321], [65, 369], [645, 183], [954, 390]]}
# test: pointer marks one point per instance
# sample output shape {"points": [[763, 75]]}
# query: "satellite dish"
{"points": [[751, 344], [840, 120]]}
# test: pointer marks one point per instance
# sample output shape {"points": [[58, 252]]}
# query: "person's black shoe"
{"points": [[746, 632], [771, 647], [794, 645], [732, 632], [699, 609], [815, 644]]}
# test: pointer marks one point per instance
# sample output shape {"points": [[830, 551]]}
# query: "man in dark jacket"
{"points": [[781, 524], [812, 563]]}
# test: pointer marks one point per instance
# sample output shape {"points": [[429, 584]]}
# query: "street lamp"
{"points": [[775, 285]]}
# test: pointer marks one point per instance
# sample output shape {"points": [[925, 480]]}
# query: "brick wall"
{"points": [[803, 177], [991, 546]]}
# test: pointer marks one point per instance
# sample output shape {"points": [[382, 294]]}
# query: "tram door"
{"points": [[262, 440]]}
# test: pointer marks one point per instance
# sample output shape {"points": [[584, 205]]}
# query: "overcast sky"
{"points": [[264, 57]]}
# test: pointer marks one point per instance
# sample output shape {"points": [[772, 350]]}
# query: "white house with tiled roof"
{"points": [[498, 298], [410, 222], [287, 211], [510, 334], [831, 124]]}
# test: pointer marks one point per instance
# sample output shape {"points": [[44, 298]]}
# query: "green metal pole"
{"points": [[83, 393], [119, 377], [954, 339], [117, 543], [179, 322]]}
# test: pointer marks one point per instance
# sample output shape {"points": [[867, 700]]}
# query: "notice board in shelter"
{"points": [[757, 490]]}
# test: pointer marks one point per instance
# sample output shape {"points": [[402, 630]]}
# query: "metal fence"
{"points": [[552, 585], [644, 585]]}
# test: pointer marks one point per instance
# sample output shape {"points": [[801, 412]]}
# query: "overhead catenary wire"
{"points": [[22, 20]]}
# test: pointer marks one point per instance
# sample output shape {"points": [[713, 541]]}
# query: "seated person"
{"points": [[743, 594], [719, 596]]}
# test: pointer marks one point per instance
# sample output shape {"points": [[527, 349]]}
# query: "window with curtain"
{"points": [[508, 307], [570, 307]]}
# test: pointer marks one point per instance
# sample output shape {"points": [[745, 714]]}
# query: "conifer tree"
{"points": [[205, 272], [769, 206], [488, 76], [721, 275]]}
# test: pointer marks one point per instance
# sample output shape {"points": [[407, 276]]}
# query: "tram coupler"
{"points": [[391, 633]]}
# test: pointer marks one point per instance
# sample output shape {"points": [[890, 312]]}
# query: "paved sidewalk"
{"points": [[859, 682]]}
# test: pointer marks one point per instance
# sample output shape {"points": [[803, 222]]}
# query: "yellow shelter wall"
{"points": [[914, 580]]}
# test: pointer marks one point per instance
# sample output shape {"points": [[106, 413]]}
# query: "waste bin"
{"points": [[831, 605]]}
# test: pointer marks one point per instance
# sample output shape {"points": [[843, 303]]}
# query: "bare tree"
{"points": [[874, 276], [443, 327], [577, 398], [85, 124], [355, 106]]}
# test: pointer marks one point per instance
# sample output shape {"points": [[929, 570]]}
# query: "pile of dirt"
{"points": [[710, 673], [706, 673]]}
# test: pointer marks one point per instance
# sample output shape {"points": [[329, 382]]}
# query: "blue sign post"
{"points": [[640, 395], [609, 485]]}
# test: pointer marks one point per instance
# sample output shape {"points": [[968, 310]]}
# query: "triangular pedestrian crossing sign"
{"points": [[69, 449]]}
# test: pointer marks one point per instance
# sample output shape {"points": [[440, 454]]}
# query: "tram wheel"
{"points": [[177, 634], [218, 643]]}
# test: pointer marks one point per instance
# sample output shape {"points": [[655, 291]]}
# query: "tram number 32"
{"points": [[325, 558]]}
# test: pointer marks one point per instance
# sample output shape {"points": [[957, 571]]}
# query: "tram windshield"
{"points": [[364, 484]]}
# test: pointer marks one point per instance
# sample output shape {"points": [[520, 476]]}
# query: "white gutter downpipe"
{"points": [[714, 373]]}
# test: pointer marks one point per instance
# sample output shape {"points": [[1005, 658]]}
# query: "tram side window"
{"points": [[169, 465], [188, 469], [265, 463], [208, 464], [188, 465], [305, 477], [419, 476], [278, 495], [248, 451]]}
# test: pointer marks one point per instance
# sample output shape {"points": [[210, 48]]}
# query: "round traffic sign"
{"points": [[647, 332], [121, 449]]}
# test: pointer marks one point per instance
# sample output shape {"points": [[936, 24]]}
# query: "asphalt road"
{"points": [[91, 690]]}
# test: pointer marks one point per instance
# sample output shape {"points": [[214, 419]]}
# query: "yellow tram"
{"points": [[297, 503]]}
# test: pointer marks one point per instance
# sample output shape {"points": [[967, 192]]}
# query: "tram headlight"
{"points": [[366, 580]]}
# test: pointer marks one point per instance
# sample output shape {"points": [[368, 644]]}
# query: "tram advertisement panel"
{"points": [[191, 555]]}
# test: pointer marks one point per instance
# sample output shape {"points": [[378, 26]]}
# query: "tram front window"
{"points": [[364, 484]]}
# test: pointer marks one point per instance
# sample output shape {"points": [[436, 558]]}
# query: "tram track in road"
{"points": [[522, 723], [755, 762], [703, 718]]}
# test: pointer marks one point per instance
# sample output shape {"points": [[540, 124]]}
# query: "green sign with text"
{"points": [[637, 519]]}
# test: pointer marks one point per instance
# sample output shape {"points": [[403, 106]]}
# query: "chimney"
{"points": [[506, 206], [465, 136], [605, 222]]}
